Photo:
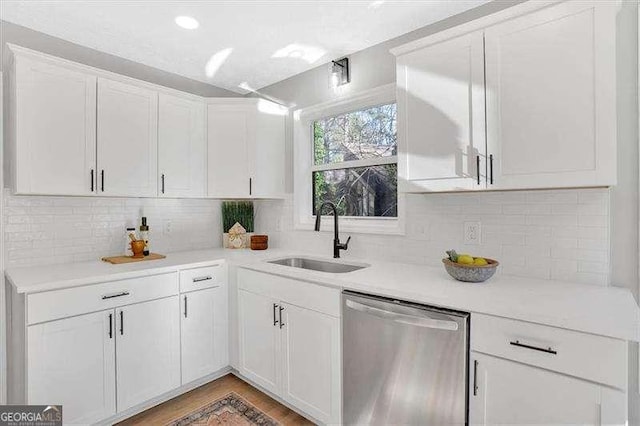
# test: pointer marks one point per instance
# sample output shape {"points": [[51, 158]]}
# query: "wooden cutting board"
{"points": [[116, 260]]}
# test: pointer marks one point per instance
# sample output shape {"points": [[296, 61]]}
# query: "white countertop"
{"points": [[607, 311]]}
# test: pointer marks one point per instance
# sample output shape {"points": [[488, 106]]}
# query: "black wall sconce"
{"points": [[340, 72]]}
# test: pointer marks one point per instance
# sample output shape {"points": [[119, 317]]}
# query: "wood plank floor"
{"points": [[208, 393]]}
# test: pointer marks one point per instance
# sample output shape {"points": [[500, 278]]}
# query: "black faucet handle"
{"points": [[346, 244]]}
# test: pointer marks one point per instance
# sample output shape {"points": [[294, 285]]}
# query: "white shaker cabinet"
{"points": [[182, 149], [127, 139], [246, 151], [527, 100], [311, 354], [289, 337], [147, 351], [71, 362], [517, 394], [54, 128], [259, 339], [203, 333], [551, 97], [441, 107]]}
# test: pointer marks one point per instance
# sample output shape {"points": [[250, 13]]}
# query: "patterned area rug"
{"points": [[230, 410]]}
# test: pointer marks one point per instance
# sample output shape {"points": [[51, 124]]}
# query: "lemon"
{"points": [[465, 259], [480, 261]]}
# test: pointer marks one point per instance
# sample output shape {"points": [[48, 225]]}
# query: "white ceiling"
{"points": [[253, 42]]}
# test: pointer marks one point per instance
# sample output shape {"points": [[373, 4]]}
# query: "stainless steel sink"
{"points": [[318, 265]]}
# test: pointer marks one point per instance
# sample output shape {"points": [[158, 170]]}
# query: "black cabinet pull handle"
{"points": [[534, 348], [185, 306], [275, 321], [162, 183], [110, 326], [102, 180], [121, 323], [475, 377], [200, 279], [478, 168], [491, 169], [281, 323], [111, 296], [92, 177], [250, 186]]}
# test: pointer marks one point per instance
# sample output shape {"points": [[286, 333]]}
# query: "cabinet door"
{"points": [[259, 339], [55, 125], [311, 356], [204, 335], [148, 350], [229, 130], [512, 393], [267, 152], [441, 116], [72, 362], [127, 139], [551, 109], [182, 150]]}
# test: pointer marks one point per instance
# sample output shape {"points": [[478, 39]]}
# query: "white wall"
{"points": [[47, 230]]}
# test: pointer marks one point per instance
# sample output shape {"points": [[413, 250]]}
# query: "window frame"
{"points": [[304, 164]]}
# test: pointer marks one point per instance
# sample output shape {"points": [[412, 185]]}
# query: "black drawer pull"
{"points": [[491, 169], [281, 323], [200, 279], [533, 348], [475, 377], [275, 307], [185, 306], [110, 326], [92, 179], [111, 296], [121, 323]]}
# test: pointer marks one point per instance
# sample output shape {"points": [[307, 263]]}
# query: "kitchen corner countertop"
{"points": [[606, 311]]}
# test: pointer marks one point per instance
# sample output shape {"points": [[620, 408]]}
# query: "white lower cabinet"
{"points": [[204, 333], [147, 350], [72, 362], [259, 339], [518, 394], [311, 355], [289, 341]]}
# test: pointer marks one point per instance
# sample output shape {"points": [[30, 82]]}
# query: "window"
{"points": [[345, 151], [355, 163]]}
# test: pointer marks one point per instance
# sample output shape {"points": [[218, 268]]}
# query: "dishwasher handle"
{"points": [[415, 320]]}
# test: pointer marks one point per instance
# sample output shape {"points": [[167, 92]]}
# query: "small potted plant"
{"points": [[237, 223]]}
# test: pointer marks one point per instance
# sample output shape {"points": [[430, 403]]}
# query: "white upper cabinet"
{"points": [[541, 86], [551, 108], [127, 139], [246, 143], [441, 126], [182, 149], [54, 125]]}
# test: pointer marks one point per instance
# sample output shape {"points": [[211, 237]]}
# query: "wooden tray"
{"points": [[116, 260]]}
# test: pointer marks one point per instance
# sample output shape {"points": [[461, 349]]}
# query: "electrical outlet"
{"points": [[472, 233], [167, 227]]}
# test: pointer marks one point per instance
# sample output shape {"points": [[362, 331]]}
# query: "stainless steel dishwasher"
{"points": [[403, 363]]}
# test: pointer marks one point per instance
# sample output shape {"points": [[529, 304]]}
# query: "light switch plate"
{"points": [[472, 233]]}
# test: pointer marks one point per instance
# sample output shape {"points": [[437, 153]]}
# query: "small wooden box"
{"points": [[259, 242]]}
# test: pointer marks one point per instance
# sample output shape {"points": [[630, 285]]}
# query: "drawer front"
{"points": [[201, 278], [64, 303], [299, 293], [596, 358]]}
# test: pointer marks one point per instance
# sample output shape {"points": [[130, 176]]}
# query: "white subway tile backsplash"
{"points": [[551, 234], [47, 230]]}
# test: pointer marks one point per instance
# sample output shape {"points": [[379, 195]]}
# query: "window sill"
{"points": [[355, 225]]}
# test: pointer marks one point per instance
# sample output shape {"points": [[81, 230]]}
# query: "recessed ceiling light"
{"points": [[187, 22]]}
